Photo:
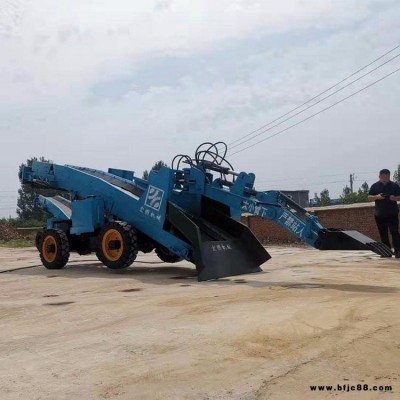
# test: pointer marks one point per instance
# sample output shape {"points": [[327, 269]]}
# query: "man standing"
{"points": [[386, 193]]}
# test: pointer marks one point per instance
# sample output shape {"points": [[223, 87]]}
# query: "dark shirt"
{"points": [[385, 207]]}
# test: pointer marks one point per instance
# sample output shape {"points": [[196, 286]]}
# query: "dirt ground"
{"points": [[154, 332]]}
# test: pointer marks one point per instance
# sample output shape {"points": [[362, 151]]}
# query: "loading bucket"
{"points": [[221, 246], [337, 239]]}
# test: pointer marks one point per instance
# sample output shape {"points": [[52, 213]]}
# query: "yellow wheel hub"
{"points": [[110, 251], [49, 249]]}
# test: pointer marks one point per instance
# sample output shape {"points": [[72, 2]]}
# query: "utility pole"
{"points": [[352, 178]]}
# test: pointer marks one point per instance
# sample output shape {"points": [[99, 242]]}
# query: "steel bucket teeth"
{"points": [[380, 248], [337, 239]]}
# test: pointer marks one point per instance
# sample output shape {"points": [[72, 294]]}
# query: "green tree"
{"points": [[346, 190], [396, 174], [362, 194], [349, 197], [155, 167], [323, 199]]}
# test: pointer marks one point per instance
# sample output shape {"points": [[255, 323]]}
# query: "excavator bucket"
{"points": [[223, 247], [337, 239]]}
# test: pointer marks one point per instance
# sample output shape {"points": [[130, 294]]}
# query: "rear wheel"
{"points": [[117, 245], [145, 244], [53, 248], [165, 255], [38, 238]]}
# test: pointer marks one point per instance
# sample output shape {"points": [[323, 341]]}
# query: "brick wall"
{"points": [[359, 217], [28, 232]]}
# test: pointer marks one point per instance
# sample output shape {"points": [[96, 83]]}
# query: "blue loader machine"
{"points": [[190, 212]]}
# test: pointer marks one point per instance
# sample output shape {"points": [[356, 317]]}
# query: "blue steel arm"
{"points": [[55, 208], [270, 205], [273, 206]]}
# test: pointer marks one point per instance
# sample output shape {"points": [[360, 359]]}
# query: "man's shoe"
{"points": [[397, 254], [389, 256]]}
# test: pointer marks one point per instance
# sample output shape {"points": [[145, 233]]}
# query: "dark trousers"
{"points": [[386, 224]]}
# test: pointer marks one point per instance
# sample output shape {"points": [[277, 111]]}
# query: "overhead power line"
{"points": [[358, 173], [317, 113], [310, 181], [315, 97], [314, 104]]}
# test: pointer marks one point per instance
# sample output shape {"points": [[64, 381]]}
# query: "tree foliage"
{"points": [[324, 198], [155, 167], [349, 197], [396, 174]]}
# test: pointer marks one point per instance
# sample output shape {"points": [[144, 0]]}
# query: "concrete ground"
{"points": [[154, 332]]}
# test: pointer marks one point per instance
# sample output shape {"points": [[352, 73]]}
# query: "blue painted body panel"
{"points": [[122, 173], [87, 215]]}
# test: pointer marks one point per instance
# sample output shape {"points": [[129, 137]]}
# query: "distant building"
{"points": [[301, 197], [334, 202]]}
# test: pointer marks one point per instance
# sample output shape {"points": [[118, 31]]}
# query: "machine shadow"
{"points": [[167, 274]]}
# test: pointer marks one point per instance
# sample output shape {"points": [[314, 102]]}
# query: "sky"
{"points": [[123, 84]]}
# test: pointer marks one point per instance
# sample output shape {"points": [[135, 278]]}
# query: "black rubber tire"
{"points": [[60, 239], [147, 247], [38, 238], [164, 255], [145, 244], [130, 245]]}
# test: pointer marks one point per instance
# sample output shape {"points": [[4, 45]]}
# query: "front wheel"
{"points": [[53, 248], [117, 245]]}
